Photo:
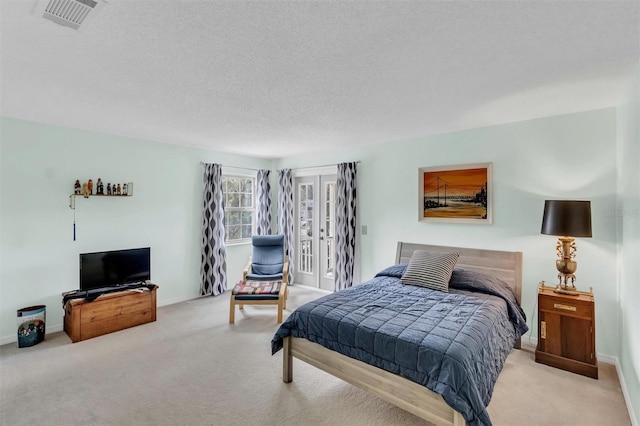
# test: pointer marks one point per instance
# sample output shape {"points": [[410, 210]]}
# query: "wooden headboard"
{"points": [[505, 265]]}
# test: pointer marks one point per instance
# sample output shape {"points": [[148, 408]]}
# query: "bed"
{"points": [[350, 334]]}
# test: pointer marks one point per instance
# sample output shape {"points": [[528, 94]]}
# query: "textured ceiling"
{"points": [[274, 78]]}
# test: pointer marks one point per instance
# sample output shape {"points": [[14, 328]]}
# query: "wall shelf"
{"points": [[72, 198], [127, 191]]}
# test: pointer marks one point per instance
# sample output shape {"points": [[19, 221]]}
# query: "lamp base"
{"points": [[566, 278]]}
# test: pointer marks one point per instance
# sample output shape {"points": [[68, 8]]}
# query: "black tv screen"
{"points": [[114, 268]]}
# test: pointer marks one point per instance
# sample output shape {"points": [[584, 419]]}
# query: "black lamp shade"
{"points": [[567, 218]]}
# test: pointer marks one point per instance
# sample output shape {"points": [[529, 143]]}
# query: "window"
{"points": [[239, 208]]}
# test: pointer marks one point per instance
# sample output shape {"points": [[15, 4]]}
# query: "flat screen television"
{"points": [[114, 268]]}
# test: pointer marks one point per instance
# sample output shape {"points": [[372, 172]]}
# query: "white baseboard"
{"points": [[607, 359], [178, 300], [5, 340], [308, 287], [625, 392], [14, 338]]}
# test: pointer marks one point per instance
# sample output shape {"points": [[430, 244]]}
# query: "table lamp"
{"points": [[567, 219]]}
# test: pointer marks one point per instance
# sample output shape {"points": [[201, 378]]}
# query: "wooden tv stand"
{"points": [[108, 313]]}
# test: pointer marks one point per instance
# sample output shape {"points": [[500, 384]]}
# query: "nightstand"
{"points": [[567, 331]]}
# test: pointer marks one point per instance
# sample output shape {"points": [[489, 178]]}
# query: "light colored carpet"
{"points": [[191, 367]]}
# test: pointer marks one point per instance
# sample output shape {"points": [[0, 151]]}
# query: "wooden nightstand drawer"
{"points": [[574, 308]]}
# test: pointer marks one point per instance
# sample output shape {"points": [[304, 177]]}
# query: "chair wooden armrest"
{"points": [[285, 270], [283, 296], [246, 271]]}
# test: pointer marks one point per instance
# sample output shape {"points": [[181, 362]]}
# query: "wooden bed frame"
{"points": [[391, 387]]}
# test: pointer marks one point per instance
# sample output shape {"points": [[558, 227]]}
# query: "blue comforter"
{"points": [[453, 343]]}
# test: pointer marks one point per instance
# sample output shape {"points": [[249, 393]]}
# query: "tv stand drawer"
{"points": [[108, 313]]}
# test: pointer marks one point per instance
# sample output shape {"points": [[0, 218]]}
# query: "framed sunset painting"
{"points": [[458, 194]]}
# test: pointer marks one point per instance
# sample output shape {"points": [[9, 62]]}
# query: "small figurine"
{"points": [[119, 190], [100, 189], [124, 189], [90, 187], [77, 188], [109, 188], [85, 190]]}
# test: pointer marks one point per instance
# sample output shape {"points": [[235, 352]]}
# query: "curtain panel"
{"points": [[285, 217], [347, 238], [213, 265], [263, 201]]}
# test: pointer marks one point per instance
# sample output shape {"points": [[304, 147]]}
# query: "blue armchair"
{"points": [[268, 261], [264, 279]]}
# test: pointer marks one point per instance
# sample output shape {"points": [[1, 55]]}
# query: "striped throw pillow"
{"points": [[430, 270]]}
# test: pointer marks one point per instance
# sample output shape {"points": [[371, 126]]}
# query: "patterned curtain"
{"points": [[347, 244], [264, 203], [213, 266], [285, 216]]}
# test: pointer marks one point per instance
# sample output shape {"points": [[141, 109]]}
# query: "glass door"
{"points": [[305, 197], [315, 231], [327, 232]]}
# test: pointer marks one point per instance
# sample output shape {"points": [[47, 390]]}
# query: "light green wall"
{"points": [[570, 156], [38, 257], [628, 216]]}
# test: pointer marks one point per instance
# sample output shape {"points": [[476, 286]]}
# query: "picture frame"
{"points": [[461, 193]]}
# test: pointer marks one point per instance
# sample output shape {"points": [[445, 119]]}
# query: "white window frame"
{"points": [[228, 209]]}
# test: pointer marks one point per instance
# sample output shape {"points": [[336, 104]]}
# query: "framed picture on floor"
{"points": [[460, 193]]}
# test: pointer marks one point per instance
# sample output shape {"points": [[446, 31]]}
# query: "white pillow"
{"points": [[430, 270]]}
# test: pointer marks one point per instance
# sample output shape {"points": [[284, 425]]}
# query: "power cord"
{"points": [[533, 312]]}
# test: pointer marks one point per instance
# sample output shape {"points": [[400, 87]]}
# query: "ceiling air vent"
{"points": [[70, 13]]}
